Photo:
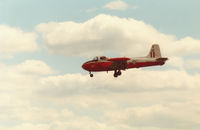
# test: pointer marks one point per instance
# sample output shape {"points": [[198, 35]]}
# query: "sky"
{"points": [[44, 43]]}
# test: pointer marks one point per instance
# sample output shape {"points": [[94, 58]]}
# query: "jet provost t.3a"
{"points": [[103, 63]]}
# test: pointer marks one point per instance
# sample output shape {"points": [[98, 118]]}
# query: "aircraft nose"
{"points": [[84, 66]]}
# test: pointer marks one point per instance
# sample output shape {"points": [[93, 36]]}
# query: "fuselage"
{"points": [[107, 65]]}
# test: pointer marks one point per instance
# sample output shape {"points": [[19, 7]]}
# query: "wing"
{"points": [[118, 63]]}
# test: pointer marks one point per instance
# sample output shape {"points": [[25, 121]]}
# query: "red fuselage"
{"points": [[112, 64]]}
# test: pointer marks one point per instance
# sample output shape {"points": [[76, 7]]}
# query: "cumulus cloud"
{"points": [[193, 64], [154, 81], [184, 46], [177, 62], [116, 5], [140, 99], [33, 67], [160, 94], [14, 40], [107, 34]]}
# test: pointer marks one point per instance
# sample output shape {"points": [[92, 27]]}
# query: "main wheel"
{"points": [[119, 72], [115, 75]]}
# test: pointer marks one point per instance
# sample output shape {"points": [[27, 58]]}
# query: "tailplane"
{"points": [[154, 52]]}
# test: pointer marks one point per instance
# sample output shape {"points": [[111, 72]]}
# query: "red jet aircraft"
{"points": [[102, 63]]}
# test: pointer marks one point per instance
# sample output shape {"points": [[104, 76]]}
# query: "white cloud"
{"points": [[176, 62], [105, 33], [139, 99], [33, 67], [184, 46], [14, 40], [23, 74], [162, 116], [117, 5], [154, 80], [193, 64]]}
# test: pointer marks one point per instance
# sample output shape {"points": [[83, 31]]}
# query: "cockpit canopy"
{"points": [[98, 58]]}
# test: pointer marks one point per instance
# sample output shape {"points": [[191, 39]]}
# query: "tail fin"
{"points": [[154, 52]]}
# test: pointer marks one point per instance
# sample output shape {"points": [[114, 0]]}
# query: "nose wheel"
{"points": [[117, 73], [91, 75]]}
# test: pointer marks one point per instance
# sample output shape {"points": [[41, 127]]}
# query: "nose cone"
{"points": [[84, 66]]}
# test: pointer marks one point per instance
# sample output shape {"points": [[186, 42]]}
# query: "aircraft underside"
{"points": [[117, 67]]}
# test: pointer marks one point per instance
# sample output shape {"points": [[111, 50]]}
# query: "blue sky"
{"points": [[44, 43]]}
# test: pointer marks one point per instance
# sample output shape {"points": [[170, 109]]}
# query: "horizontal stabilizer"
{"points": [[162, 59]]}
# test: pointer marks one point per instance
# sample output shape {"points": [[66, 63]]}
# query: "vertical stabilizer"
{"points": [[154, 52]]}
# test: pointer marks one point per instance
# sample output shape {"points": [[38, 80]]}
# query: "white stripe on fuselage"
{"points": [[135, 59], [142, 59]]}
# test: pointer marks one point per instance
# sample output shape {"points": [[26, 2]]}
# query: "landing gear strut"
{"points": [[117, 73]]}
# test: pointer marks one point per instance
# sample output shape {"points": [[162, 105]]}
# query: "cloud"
{"points": [[106, 34], [14, 40], [160, 115], [117, 5], [184, 46], [177, 62], [193, 64], [33, 67], [154, 81], [140, 99], [161, 94]]}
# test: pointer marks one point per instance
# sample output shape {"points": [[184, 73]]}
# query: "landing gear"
{"points": [[91, 75], [117, 73]]}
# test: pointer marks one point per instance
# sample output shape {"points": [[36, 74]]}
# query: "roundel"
{"points": [[134, 62]]}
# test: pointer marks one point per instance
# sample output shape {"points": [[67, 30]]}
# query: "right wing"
{"points": [[118, 63]]}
